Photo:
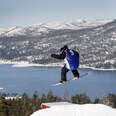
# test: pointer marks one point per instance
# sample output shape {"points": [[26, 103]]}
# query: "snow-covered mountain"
{"points": [[77, 110], [94, 40], [35, 30]]}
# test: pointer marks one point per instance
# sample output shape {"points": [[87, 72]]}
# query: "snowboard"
{"points": [[59, 83]]}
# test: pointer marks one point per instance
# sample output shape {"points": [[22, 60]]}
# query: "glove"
{"points": [[52, 55]]}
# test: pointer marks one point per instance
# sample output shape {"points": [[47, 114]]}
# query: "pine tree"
{"points": [[3, 107], [80, 99], [109, 100], [50, 97], [96, 101], [34, 101]]}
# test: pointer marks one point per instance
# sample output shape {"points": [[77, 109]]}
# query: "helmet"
{"points": [[63, 48]]}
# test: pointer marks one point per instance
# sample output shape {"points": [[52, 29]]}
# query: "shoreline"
{"points": [[27, 64]]}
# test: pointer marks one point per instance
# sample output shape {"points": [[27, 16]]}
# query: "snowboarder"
{"points": [[71, 59]]}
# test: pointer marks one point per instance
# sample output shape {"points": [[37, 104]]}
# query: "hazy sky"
{"points": [[28, 12]]}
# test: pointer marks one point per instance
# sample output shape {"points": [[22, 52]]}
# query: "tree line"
{"points": [[26, 105]]}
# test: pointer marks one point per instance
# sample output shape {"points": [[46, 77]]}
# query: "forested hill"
{"points": [[94, 40]]}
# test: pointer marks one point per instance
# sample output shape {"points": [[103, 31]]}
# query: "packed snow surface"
{"points": [[77, 110]]}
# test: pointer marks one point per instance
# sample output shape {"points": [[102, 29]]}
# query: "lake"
{"points": [[30, 79]]}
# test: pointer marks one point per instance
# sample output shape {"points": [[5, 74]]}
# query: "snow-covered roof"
{"points": [[2, 88], [77, 110]]}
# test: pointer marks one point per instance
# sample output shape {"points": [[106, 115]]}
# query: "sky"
{"points": [[29, 12]]}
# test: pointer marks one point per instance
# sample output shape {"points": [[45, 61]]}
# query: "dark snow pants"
{"points": [[64, 71]]}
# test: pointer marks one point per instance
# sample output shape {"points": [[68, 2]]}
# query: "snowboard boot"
{"points": [[62, 81], [77, 77]]}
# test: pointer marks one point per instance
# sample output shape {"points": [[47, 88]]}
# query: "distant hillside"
{"points": [[94, 40]]}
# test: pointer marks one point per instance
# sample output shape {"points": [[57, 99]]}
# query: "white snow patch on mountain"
{"points": [[37, 29], [11, 31], [77, 24], [77, 110]]}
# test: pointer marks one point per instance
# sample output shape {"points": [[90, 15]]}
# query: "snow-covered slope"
{"points": [[35, 30], [77, 110], [77, 24], [12, 31]]}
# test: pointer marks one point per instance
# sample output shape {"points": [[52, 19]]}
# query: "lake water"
{"points": [[30, 79]]}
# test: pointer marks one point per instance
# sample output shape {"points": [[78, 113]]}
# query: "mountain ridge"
{"points": [[77, 24], [95, 44]]}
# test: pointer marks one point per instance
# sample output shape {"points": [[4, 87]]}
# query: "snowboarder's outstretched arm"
{"points": [[59, 56]]}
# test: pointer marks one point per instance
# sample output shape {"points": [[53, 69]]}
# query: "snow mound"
{"points": [[77, 110]]}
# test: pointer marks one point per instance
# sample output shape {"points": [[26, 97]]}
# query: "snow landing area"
{"points": [[77, 110]]}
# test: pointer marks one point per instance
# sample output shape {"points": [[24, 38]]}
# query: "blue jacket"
{"points": [[71, 59]]}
